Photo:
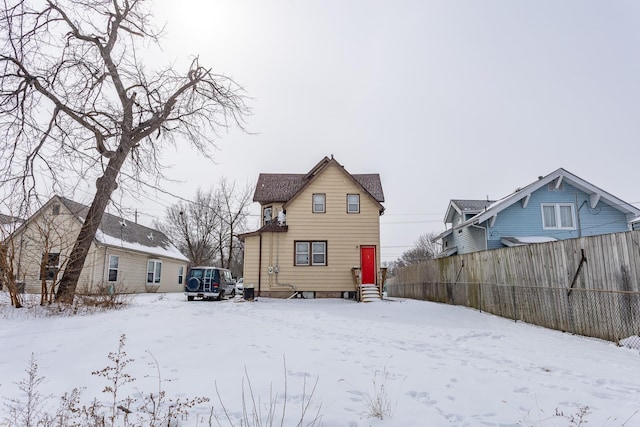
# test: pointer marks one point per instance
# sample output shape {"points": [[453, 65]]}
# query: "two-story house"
{"points": [[558, 206], [319, 234]]}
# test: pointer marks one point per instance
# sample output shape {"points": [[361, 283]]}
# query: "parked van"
{"points": [[209, 283]]}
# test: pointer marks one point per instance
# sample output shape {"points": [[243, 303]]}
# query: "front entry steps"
{"points": [[370, 293]]}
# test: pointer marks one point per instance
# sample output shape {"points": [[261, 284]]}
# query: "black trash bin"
{"points": [[248, 292]]}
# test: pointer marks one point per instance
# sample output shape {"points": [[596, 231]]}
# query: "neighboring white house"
{"points": [[124, 255]]}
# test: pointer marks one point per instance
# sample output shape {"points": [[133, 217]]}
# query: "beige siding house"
{"points": [[124, 256], [320, 233]]}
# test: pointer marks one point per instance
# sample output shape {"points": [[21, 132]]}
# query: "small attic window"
{"points": [[56, 209]]}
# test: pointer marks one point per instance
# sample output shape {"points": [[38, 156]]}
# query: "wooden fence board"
{"points": [[531, 283]]}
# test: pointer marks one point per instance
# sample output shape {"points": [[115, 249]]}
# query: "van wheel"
{"points": [[220, 295], [189, 298]]}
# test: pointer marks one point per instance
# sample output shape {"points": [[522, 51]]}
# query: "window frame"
{"points": [[116, 269], [310, 253], [155, 271], [324, 202], [357, 204], [180, 275], [264, 214], [49, 269], [558, 216]]}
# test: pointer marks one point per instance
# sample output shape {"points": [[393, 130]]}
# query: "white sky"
{"points": [[444, 99]]}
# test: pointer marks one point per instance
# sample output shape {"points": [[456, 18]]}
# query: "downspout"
{"points": [[260, 265], [578, 215]]}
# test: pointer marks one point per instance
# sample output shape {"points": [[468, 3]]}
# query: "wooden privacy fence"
{"points": [[588, 286]]}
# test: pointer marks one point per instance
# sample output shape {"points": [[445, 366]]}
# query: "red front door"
{"points": [[368, 264]]}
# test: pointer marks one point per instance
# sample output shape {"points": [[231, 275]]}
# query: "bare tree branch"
{"points": [[76, 98]]}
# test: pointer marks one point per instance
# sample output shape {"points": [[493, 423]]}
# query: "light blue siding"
{"points": [[468, 239], [518, 221]]}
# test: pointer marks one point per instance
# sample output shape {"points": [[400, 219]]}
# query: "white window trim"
{"points": [[265, 218], [324, 253], [153, 272], [324, 203], [556, 208], [181, 275], [50, 267], [310, 253], [357, 204], [117, 269]]}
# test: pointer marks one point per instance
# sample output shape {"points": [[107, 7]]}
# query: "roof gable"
{"points": [[465, 207], [555, 178], [285, 187], [120, 233]]}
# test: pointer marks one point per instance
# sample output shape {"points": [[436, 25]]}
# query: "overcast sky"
{"points": [[444, 99]]}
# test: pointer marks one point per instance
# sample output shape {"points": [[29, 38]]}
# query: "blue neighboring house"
{"points": [[558, 206]]}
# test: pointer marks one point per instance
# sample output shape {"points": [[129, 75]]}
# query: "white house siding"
{"points": [[46, 232], [132, 271]]}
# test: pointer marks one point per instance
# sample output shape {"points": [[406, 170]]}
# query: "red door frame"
{"points": [[368, 265]]}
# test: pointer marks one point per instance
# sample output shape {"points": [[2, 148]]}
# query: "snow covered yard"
{"points": [[438, 365]]}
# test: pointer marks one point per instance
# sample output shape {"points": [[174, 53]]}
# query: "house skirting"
{"points": [[315, 294]]}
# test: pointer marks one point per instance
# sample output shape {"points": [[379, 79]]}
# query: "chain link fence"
{"points": [[609, 315]]}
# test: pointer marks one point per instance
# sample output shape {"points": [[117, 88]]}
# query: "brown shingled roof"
{"points": [[282, 187]]}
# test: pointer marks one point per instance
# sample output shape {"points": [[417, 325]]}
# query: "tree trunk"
{"points": [[105, 185]]}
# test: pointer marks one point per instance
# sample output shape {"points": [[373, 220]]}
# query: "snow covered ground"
{"points": [[438, 365]]}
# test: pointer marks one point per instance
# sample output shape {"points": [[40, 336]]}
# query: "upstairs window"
{"points": [[154, 271], [113, 268], [558, 216], [353, 203], [266, 214], [319, 205]]}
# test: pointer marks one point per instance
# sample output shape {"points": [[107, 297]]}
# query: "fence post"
{"points": [[513, 298]]}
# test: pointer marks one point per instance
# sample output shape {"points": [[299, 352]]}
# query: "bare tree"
{"points": [[425, 248], [7, 259], [205, 229], [233, 214], [75, 97], [191, 226]]}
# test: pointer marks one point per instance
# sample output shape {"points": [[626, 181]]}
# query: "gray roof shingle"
{"points": [[112, 225], [472, 205]]}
